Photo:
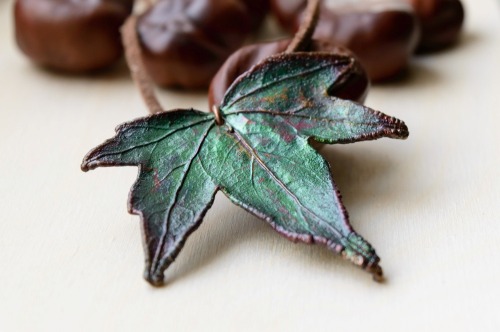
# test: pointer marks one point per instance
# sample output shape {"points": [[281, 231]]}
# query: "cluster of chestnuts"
{"points": [[185, 43], [382, 33]]}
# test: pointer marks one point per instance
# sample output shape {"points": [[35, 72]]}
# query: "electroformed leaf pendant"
{"points": [[255, 149]]}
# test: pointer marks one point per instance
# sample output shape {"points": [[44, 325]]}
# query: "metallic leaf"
{"points": [[172, 192], [259, 157]]}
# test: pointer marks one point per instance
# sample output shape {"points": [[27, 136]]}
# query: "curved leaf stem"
{"points": [[136, 65], [303, 37]]}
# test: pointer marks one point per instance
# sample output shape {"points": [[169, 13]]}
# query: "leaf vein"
{"points": [[253, 152], [155, 141], [161, 244], [281, 80]]}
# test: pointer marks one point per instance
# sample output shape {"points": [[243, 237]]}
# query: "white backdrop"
{"points": [[71, 256]]}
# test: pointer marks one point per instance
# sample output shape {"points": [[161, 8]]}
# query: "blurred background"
{"points": [[71, 254]]}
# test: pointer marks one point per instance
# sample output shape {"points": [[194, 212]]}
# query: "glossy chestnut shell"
{"points": [[441, 22], [71, 35], [184, 42], [382, 34]]}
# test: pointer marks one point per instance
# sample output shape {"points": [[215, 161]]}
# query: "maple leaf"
{"points": [[259, 157]]}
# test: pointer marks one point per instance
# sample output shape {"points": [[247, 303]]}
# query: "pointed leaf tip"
{"points": [[376, 272], [394, 128], [87, 164], [84, 167], [155, 278]]}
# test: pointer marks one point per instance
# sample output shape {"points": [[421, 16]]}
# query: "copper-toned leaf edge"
{"points": [[89, 163]]}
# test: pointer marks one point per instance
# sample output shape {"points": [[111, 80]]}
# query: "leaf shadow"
{"points": [[357, 173], [216, 236], [221, 235]]}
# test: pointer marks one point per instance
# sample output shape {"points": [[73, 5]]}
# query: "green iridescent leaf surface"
{"points": [[292, 90], [259, 157], [172, 192]]}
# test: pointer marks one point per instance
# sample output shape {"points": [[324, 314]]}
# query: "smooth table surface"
{"points": [[71, 256]]}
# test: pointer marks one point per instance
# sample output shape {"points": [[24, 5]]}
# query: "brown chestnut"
{"points": [[184, 42], [71, 35], [257, 9], [354, 86], [382, 33], [441, 22]]}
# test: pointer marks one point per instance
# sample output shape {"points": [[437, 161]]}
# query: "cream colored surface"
{"points": [[71, 256]]}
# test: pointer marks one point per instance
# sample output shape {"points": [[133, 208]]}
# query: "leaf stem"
{"points": [[303, 37], [141, 78], [218, 118]]}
